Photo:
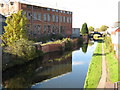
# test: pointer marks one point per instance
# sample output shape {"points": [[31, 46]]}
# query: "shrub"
{"points": [[68, 45], [108, 43], [22, 48], [80, 40]]}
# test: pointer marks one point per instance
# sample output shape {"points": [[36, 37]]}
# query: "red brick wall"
{"points": [[51, 48], [55, 47]]}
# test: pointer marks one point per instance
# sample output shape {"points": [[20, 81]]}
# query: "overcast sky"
{"points": [[93, 12]]}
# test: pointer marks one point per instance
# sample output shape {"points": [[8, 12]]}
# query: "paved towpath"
{"points": [[102, 83]]}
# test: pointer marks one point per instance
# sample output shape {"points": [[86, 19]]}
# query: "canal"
{"points": [[54, 70]]}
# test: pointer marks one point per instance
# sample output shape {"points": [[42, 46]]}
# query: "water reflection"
{"points": [[77, 63], [38, 71], [84, 47], [54, 70], [76, 78]]}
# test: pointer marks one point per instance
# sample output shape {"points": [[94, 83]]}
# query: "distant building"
{"points": [[2, 23], [43, 19], [75, 32], [115, 35], [116, 24]]}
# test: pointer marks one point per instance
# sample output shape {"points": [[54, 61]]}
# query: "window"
{"points": [[53, 28], [36, 7], [28, 15], [11, 3], [63, 18], [61, 11], [56, 10], [60, 18], [70, 19], [45, 9], [39, 29], [62, 29], [53, 10], [35, 15], [48, 17], [56, 18], [67, 19], [2, 5], [48, 9], [53, 18], [67, 12], [28, 6], [45, 28], [39, 16], [49, 29], [45, 17], [70, 12], [57, 29]]}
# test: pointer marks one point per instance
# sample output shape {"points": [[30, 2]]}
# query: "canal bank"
{"points": [[50, 72], [11, 59], [75, 78], [95, 69]]}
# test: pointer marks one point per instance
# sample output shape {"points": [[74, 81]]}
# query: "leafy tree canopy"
{"points": [[91, 28], [84, 29], [97, 30], [15, 29], [103, 28]]}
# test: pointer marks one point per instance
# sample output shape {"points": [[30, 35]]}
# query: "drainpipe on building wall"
{"points": [[32, 21]]}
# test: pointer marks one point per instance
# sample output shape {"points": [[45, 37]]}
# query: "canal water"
{"points": [[54, 70]]}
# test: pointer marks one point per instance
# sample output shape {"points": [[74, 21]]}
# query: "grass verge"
{"points": [[95, 68], [112, 65]]}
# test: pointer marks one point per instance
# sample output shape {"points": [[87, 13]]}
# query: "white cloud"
{"points": [[77, 63]]}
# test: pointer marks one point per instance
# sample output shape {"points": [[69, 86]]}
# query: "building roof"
{"points": [[114, 32], [118, 30], [40, 4]]}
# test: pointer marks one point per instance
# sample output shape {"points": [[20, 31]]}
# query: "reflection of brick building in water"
{"points": [[43, 20]]}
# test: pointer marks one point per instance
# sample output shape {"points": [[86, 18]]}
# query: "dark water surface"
{"points": [[76, 77], [54, 70]]}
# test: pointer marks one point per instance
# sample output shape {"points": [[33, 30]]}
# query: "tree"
{"points": [[84, 47], [97, 30], [103, 28], [84, 29], [91, 28], [15, 29]]}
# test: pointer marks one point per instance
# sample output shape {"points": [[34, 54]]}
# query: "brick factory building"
{"points": [[43, 19]]}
